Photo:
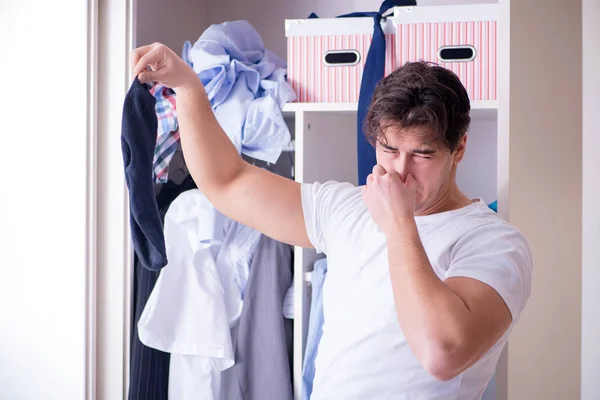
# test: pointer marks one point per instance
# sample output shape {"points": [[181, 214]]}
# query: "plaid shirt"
{"points": [[167, 140]]}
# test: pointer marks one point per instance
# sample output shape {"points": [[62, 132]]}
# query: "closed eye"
{"points": [[424, 153], [388, 149]]}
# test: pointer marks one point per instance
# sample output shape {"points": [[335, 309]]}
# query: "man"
{"points": [[424, 284]]}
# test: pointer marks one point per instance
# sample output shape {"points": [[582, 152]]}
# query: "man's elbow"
{"points": [[445, 362], [442, 371], [217, 187]]}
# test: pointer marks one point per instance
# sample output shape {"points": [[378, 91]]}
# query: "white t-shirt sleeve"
{"points": [[322, 204], [498, 255]]}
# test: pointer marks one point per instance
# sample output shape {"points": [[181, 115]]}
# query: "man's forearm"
{"points": [[433, 318], [211, 157]]}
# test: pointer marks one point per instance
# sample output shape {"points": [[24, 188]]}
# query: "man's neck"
{"points": [[452, 199]]}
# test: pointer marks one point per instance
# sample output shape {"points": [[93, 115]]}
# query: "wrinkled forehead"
{"points": [[396, 136]]}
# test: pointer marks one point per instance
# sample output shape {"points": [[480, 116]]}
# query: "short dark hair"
{"points": [[424, 95]]}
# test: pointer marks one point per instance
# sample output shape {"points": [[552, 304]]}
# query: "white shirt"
{"points": [[363, 353], [197, 297]]}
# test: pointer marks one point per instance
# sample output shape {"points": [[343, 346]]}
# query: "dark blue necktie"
{"points": [[373, 72]]}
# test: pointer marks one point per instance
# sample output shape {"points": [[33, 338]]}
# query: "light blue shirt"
{"points": [[315, 327], [246, 85]]}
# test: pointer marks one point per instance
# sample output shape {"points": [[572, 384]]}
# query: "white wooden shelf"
{"points": [[480, 110], [320, 107]]}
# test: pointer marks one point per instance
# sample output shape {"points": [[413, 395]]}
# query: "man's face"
{"points": [[431, 164]]}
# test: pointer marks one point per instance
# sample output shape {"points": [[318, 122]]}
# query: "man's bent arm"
{"points": [[448, 324]]}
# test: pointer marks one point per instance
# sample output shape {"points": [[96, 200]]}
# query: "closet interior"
{"points": [[323, 142]]}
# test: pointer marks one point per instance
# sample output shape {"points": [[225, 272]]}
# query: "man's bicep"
{"points": [[268, 203], [499, 257], [490, 316], [487, 319], [288, 211], [491, 272]]}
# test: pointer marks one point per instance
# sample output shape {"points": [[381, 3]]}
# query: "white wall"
{"points": [[43, 258], [590, 355], [170, 22]]}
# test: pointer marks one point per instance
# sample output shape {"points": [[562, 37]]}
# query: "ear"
{"points": [[460, 149]]}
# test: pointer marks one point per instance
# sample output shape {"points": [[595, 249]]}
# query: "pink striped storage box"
{"points": [[315, 80], [462, 38]]}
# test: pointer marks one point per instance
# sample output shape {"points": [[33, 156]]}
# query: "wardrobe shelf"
{"points": [[480, 109], [320, 107]]}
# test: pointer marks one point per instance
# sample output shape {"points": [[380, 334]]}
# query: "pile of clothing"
{"points": [[246, 86]]}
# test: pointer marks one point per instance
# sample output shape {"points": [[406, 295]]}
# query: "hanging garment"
{"points": [[167, 136], [178, 170], [372, 73], [246, 85], [288, 302], [197, 299], [138, 141], [149, 368], [192, 373], [315, 327], [262, 339]]}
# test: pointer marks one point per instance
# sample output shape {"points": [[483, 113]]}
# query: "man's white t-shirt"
{"points": [[363, 353]]}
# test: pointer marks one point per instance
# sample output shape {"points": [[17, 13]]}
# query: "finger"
{"points": [[151, 57], [143, 62], [147, 76], [393, 175], [151, 76], [137, 54], [369, 179], [410, 181], [378, 170]]}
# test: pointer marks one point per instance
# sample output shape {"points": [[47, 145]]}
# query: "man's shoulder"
{"points": [[333, 187], [492, 224], [330, 208], [337, 195], [488, 232], [497, 253]]}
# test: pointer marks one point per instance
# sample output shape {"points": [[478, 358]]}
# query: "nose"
{"points": [[402, 164]]}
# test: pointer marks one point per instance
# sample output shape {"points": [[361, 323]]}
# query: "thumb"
{"points": [[151, 76], [146, 76]]}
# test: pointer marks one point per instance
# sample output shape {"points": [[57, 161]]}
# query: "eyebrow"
{"points": [[414, 151], [424, 151]]}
